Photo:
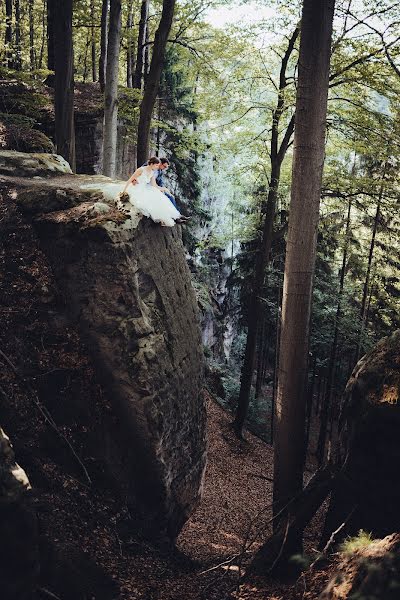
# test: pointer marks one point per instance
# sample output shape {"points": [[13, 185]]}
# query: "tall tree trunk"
{"points": [[111, 91], [277, 154], [260, 354], [50, 41], [103, 44], [146, 63], [129, 46], [327, 400], [31, 37], [369, 266], [17, 49], [153, 81], [93, 41], [308, 159], [139, 68], [85, 56], [64, 81], [44, 34], [309, 405], [9, 33], [276, 361], [265, 356]]}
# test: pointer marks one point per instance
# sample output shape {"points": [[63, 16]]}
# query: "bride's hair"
{"points": [[153, 161]]}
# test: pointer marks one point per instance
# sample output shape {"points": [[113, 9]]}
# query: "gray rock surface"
{"points": [[21, 164], [126, 283]]}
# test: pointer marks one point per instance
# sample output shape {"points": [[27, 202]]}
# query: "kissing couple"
{"points": [[149, 196]]}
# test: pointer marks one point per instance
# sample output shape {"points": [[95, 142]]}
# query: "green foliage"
{"points": [[128, 111], [213, 119], [358, 542], [17, 120]]}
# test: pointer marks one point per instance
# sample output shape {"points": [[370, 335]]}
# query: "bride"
{"points": [[149, 199]]}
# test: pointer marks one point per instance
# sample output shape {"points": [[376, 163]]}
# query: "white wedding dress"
{"points": [[151, 202]]}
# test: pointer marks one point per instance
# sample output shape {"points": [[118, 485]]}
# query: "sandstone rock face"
{"points": [[20, 164], [369, 446], [126, 283]]}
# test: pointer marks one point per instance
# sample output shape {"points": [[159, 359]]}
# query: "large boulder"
{"points": [[23, 164], [367, 494], [126, 284]]}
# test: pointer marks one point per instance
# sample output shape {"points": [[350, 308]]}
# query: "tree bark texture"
{"points": [[146, 64], [18, 49], [103, 43], [111, 91], [50, 41], [153, 81], [31, 37], [9, 32], [140, 52], [308, 159], [129, 46], [93, 41], [64, 81]]}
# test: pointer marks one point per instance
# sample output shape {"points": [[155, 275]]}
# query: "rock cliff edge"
{"points": [[124, 283]]}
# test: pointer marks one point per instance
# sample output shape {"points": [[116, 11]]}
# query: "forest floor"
{"points": [[87, 548]]}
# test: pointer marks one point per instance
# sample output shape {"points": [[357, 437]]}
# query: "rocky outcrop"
{"points": [[367, 493], [19, 559], [20, 164], [372, 571], [125, 283]]}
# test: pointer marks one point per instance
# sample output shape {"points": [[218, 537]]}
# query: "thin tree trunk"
{"points": [[265, 355], [129, 46], [308, 159], [103, 44], [327, 400], [153, 81], [260, 346], [9, 33], [369, 299], [146, 63], [51, 4], [93, 41], [31, 37], [369, 266], [18, 50], [277, 155], [139, 69], [158, 140], [317, 404], [85, 58], [111, 91], [276, 361], [310, 401], [64, 81], [44, 35]]}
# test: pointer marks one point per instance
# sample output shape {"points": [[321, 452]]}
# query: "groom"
{"points": [[159, 179]]}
